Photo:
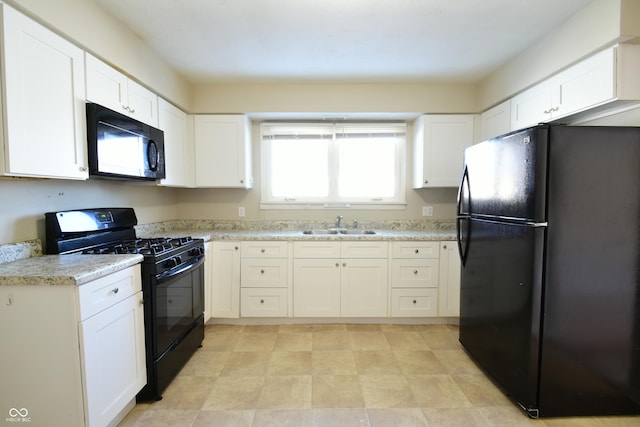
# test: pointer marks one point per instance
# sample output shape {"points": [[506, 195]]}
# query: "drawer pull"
{"points": [[415, 301], [337, 264], [344, 264], [417, 251], [261, 271], [415, 271], [262, 250], [261, 301], [115, 290]]}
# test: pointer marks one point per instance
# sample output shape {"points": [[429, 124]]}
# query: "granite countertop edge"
{"points": [[382, 235], [65, 270]]}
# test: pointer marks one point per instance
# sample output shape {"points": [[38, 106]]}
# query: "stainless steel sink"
{"points": [[320, 232], [357, 231]]}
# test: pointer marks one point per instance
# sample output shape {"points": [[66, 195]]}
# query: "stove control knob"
{"points": [[196, 251], [170, 263]]}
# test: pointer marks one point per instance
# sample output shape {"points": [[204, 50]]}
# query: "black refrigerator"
{"points": [[549, 238]]}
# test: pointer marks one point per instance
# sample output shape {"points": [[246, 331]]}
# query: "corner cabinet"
{"points": [[85, 364], [112, 89], [44, 93], [223, 151], [438, 148]]}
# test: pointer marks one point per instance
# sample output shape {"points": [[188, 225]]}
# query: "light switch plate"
{"points": [[427, 211]]}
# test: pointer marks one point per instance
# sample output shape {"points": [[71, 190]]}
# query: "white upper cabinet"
{"points": [[178, 147], [223, 151], [438, 149], [595, 82], [495, 121], [110, 88], [44, 128]]}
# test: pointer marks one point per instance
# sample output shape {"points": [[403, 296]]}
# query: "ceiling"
{"points": [[340, 40]]}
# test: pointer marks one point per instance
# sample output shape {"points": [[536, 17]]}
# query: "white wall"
{"points": [[224, 203], [25, 201], [291, 98]]}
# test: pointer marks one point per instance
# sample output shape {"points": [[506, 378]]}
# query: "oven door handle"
{"points": [[193, 263]]}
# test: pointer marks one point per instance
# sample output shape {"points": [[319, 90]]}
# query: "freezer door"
{"points": [[500, 304], [505, 177]]}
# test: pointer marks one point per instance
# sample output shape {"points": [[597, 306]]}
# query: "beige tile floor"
{"points": [[337, 375]]}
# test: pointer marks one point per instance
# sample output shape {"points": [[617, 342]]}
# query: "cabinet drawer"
{"points": [[263, 272], [102, 293], [263, 302], [411, 273], [364, 250], [263, 249], [415, 249], [316, 249], [414, 302]]}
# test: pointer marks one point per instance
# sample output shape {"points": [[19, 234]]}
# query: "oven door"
{"points": [[178, 303]]}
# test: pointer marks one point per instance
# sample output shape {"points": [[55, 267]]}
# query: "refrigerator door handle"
{"points": [[463, 181], [462, 251]]}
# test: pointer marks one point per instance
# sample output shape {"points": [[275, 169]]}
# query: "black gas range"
{"points": [[172, 282]]}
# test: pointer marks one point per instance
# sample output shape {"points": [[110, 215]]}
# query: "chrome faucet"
{"points": [[338, 221]]}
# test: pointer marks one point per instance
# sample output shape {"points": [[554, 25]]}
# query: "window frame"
{"points": [[397, 202]]}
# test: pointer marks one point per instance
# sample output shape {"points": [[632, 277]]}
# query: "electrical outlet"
{"points": [[427, 211], [241, 211]]}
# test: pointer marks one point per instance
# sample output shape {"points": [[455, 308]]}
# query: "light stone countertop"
{"points": [[72, 269], [382, 235]]}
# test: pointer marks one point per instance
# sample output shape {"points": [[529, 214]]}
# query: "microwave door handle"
{"points": [[153, 155]]}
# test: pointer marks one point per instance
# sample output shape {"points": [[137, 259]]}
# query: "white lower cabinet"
{"points": [[414, 279], [449, 281], [340, 279], [85, 364], [224, 279], [264, 279], [329, 278]]}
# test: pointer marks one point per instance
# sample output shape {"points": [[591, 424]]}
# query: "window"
{"points": [[333, 165]]}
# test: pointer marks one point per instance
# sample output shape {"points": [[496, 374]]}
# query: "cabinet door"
{"points": [[178, 150], [316, 288], [532, 106], [585, 85], [225, 279], [113, 359], [223, 151], [44, 101], [106, 85], [364, 290], [449, 282], [496, 121], [142, 103], [439, 145], [112, 89]]}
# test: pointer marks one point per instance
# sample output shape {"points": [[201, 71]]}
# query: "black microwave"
{"points": [[121, 147]]}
